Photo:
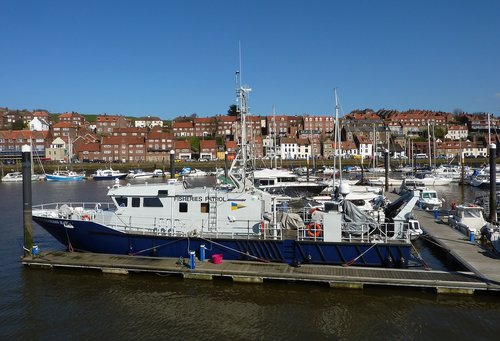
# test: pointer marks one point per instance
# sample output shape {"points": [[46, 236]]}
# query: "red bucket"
{"points": [[217, 258]]}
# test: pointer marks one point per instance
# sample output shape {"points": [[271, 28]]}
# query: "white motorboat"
{"points": [[193, 172], [108, 174], [433, 180], [281, 180], [468, 219], [429, 200], [411, 185], [380, 181], [139, 174], [18, 177]]}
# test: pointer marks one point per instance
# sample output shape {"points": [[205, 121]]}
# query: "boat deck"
{"points": [[472, 255], [257, 272]]}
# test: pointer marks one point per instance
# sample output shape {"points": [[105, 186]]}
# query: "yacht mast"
{"points": [[337, 134], [275, 157], [429, 141]]}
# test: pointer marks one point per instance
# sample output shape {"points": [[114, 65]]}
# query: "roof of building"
{"points": [[208, 144], [182, 144]]}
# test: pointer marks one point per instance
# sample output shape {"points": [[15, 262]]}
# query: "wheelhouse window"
{"points": [[204, 208], [152, 202], [121, 201], [183, 207], [136, 202]]}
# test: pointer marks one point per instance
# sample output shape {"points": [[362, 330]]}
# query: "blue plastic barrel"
{"points": [[471, 236], [192, 263], [202, 252]]}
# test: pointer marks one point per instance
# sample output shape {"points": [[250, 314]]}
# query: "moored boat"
{"points": [[64, 176], [108, 174], [140, 174], [18, 177], [240, 223]]}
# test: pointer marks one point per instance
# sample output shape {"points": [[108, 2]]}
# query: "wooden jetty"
{"points": [[471, 255], [258, 272]]}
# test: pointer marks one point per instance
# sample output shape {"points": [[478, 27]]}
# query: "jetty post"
{"points": [[493, 183], [386, 162], [27, 200], [172, 164], [225, 164]]}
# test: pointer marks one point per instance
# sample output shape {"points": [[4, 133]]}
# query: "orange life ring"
{"points": [[313, 229], [85, 217]]}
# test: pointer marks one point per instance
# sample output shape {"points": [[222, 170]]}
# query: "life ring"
{"points": [[313, 229], [85, 217]]}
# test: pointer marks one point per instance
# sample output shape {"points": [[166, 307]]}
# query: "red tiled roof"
{"points": [[182, 124], [182, 145], [208, 144], [63, 125]]}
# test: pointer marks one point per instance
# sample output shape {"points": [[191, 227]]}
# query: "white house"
{"points": [[148, 122], [38, 124], [365, 146], [289, 148], [57, 150], [304, 149], [457, 133]]}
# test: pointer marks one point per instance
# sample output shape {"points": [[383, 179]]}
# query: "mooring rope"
{"points": [[237, 251], [70, 247], [419, 257], [351, 262]]}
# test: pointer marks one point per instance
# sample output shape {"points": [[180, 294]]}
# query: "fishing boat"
{"points": [[108, 174], [239, 223], [64, 175]]}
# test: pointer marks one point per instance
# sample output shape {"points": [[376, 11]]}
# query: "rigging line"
{"points": [[237, 251]]}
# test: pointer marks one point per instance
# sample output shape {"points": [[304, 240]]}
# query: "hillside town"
{"points": [[73, 137]]}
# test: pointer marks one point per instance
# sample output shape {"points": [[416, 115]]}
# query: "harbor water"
{"points": [[39, 304]]}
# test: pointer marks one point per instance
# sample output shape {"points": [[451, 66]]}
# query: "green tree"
{"points": [[233, 110], [18, 125]]}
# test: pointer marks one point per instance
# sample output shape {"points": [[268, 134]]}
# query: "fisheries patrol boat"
{"points": [[242, 223]]}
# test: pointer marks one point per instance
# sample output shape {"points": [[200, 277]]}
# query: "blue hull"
{"points": [[63, 178], [92, 237]]}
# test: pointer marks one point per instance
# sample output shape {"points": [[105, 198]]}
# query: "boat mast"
{"points": [[337, 135], [275, 158], [429, 141]]}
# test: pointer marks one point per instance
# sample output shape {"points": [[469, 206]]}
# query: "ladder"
{"points": [[212, 215]]}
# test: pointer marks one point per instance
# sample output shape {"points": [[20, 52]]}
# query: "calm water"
{"points": [[39, 304]]}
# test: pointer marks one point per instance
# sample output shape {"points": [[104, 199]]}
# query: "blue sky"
{"points": [[170, 58]]}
